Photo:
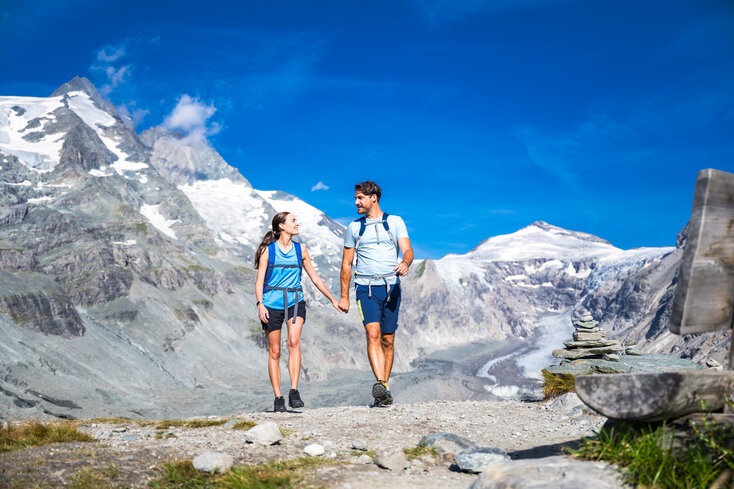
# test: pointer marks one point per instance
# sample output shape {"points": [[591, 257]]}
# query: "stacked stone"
{"points": [[589, 342]]}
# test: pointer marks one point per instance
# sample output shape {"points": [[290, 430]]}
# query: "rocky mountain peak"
{"points": [[182, 160], [82, 84]]}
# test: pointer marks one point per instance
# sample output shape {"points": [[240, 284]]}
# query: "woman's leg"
{"points": [[274, 360], [294, 350]]}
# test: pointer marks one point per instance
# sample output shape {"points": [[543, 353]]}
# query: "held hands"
{"points": [[262, 311], [335, 304], [343, 304], [401, 269]]}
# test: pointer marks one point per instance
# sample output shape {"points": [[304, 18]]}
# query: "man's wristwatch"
{"points": [[258, 303]]}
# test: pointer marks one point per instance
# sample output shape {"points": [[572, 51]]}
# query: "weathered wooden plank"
{"points": [[655, 396], [704, 298]]}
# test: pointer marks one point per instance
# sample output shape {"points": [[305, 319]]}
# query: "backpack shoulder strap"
{"points": [[385, 215], [362, 225], [299, 255], [271, 262]]}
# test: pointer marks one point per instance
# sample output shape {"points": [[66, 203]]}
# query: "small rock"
{"points": [[314, 450], [711, 363], [447, 443], [363, 460], [119, 429], [633, 352], [557, 472], [390, 458], [629, 342], [578, 336], [360, 444], [566, 402], [230, 423], [478, 460], [266, 433], [213, 462], [610, 357]]}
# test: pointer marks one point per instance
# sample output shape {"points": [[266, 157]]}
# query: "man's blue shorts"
{"points": [[378, 308]]}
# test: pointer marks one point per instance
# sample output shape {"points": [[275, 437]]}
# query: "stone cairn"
{"points": [[589, 342]]}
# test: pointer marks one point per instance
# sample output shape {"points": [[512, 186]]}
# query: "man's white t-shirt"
{"points": [[376, 254]]}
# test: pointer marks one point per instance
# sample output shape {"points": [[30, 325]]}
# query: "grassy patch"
{"points": [[415, 452], [272, 475], [194, 423], [357, 453], [244, 425], [91, 479], [17, 436], [164, 435], [557, 384], [655, 456]]}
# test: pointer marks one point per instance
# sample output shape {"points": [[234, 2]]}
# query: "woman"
{"points": [[279, 261]]}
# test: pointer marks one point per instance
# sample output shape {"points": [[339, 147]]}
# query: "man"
{"points": [[376, 237]]}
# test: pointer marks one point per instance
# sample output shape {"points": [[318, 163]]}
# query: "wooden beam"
{"points": [[655, 396]]}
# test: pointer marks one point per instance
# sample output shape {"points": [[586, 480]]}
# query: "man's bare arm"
{"points": [[346, 278], [407, 250]]}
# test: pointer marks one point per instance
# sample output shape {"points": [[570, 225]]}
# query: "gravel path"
{"points": [[525, 430]]}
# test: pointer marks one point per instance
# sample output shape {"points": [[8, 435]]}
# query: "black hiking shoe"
{"points": [[279, 405], [294, 399], [381, 392]]}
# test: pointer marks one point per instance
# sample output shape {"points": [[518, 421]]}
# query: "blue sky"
{"points": [[476, 117]]}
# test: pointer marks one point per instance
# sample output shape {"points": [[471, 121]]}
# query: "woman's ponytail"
{"points": [[271, 236]]}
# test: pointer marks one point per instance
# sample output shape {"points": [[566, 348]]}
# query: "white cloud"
{"points": [[106, 61], [110, 54], [319, 186], [191, 116]]}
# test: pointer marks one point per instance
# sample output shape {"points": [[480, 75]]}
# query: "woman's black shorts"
{"points": [[277, 316]]}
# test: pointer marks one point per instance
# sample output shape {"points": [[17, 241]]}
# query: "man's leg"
{"points": [[388, 349], [375, 352]]}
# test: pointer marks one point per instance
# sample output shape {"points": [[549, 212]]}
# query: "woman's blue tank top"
{"points": [[283, 277]]}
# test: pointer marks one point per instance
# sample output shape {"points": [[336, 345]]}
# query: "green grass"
{"points": [[194, 423], [652, 457], [555, 385], [181, 474], [243, 425], [91, 479], [357, 453], [17, 436], [415, 452]]}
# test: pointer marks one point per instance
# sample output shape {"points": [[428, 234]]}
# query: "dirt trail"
{"points": [[132, 453]]}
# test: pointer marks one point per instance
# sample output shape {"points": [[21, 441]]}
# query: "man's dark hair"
{"points": [[369, 188]]}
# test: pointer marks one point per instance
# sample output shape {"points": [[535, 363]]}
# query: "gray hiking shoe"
{"points": [[388, 401], [381, 392], [376, 404]]}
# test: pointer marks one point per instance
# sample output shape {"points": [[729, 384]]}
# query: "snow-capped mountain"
{"points": [[212, 185]]}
